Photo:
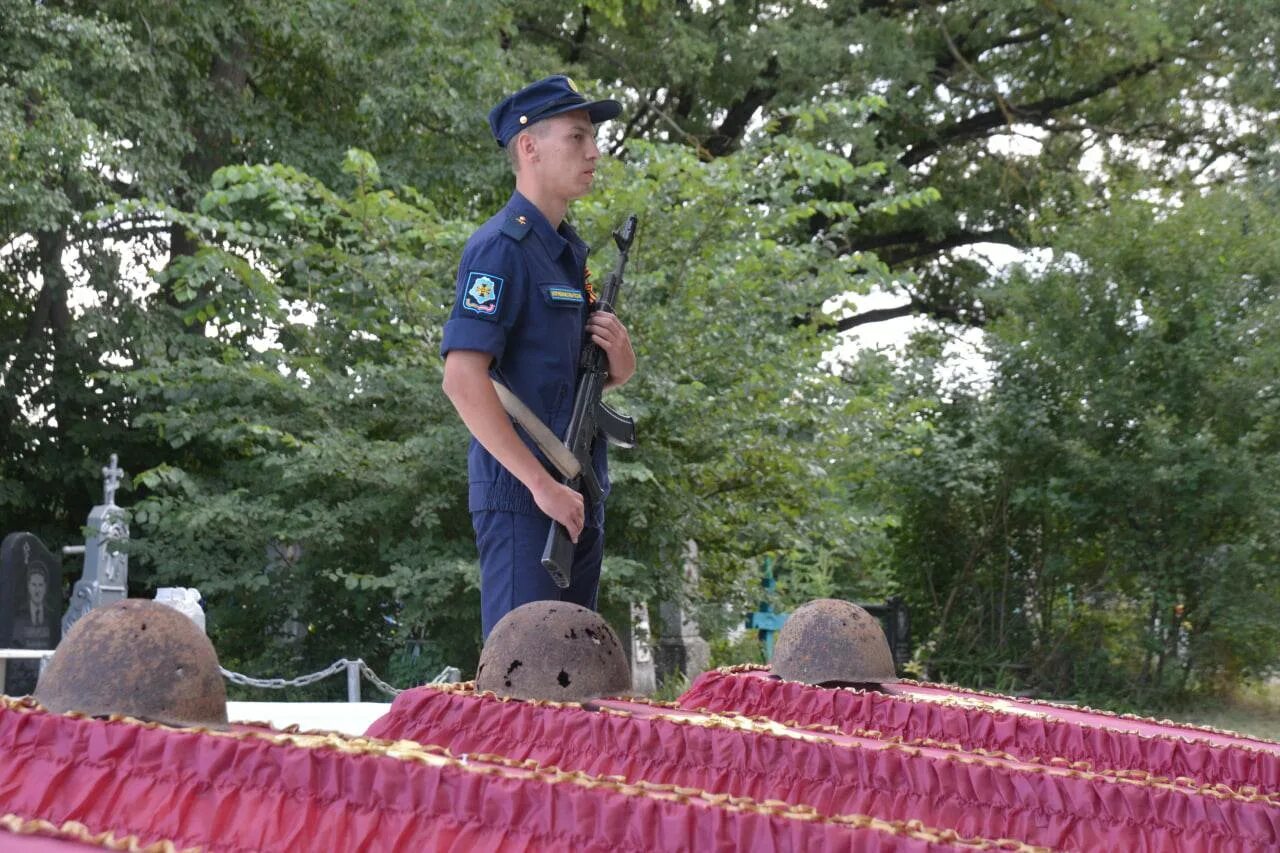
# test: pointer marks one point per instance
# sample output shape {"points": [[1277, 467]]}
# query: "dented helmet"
{"points": [[832, 640], [138, 658], [553, 650]]}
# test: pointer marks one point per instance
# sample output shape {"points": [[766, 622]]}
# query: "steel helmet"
{"points": [[832, 640], [138, 658], [553, 650]]}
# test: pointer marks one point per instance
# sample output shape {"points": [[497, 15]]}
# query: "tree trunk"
{"points": [[229, 77]]}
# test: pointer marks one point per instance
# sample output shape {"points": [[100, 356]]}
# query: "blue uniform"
{"points": [[521, 299]]}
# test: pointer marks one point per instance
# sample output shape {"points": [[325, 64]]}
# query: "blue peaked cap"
{"points": [[548, 97]]}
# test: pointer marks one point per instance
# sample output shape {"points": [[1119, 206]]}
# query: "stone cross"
{"points": [[644, 679], [681, 650], [111, 475], [106, 568]]}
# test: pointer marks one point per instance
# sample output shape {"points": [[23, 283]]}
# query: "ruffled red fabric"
{"points": [[246, 793], [976, 796], [1029, 730]]}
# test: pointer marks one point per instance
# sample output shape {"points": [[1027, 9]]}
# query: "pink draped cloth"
{"points": [[1029, 730], [975, 795], [255, 790]]}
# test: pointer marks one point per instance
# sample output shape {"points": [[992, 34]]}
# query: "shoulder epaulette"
{"points": [[516, 227]]}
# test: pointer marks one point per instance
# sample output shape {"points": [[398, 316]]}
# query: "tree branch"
{"points": [[928, 248], [915, 308], [959, 51], [920, 245], [729, 134], [878, 315], [1036, 111], [580, 36]]}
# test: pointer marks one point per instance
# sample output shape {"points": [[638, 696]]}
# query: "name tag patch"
{"points": [[565, 295], [482, 292]]}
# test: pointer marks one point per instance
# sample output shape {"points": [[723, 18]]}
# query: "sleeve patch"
{"points": [[482, 293]]}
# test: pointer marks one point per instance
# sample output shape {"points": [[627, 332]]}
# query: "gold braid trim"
{"points": [[79, 832], [818, 733], [495, 765], [1137, 718], [1000, 702]]}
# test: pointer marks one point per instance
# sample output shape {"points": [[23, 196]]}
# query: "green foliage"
{"points": [[996, 105], [230, 233], [1104, 515], [308, 413], [314, 484], [746, 648], [714, 301]]}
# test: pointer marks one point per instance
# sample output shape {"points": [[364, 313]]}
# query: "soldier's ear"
{"points": [[528, 147]]}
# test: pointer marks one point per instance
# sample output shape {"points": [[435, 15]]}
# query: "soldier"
{"points": [[521, 313]]}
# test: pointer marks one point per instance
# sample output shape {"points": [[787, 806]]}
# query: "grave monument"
{"points": [[106, 567], [30, 607]]}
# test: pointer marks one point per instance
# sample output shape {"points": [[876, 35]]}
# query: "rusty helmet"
{"points": [[138, 658], [829, 640], [553, 650]]}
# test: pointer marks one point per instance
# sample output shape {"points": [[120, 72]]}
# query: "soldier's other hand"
{"points": [[611, 336], [562, 504]]}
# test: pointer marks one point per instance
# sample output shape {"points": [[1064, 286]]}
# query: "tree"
{"points": [[768, 183], [116, 102], [1105, 514], [67, 139], [999, 105], [101, 102], [309, 413]]}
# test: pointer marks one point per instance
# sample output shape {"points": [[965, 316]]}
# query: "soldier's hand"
{"points": [[562, 504], [611, 336]]}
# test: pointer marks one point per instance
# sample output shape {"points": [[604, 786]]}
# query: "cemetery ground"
{"points": [[1253, 710]]}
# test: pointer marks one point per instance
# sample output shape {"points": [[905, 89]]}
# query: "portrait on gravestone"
{"points": [[31, 627], [30, 606]]}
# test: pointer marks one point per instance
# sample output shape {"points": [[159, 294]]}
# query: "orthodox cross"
{"points": [[111, 481], [765, 620]]}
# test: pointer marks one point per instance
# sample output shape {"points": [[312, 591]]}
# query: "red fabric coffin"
{"points": [[1029, 730], [976, 795], [256, 790]]}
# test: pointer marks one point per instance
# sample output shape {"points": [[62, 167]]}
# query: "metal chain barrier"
{"points": [[280, 683], [378, 682], [353, 668]]}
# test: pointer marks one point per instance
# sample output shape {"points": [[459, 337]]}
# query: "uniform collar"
{"points": [[553, 240]]}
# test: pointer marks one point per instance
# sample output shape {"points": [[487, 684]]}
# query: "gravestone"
{"points": [[681, 649], [895, 618], [106, 570], [30, 607], [644, 678]]}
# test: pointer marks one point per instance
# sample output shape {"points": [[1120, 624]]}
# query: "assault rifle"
{"points": [[591, 418]]}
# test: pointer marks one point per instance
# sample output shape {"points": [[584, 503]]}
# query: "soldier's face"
{"points": [[567, 154]]}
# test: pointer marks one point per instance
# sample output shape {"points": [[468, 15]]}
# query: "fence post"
{"points": [[353, 680]]}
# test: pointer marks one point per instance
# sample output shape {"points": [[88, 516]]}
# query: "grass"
{"points": [[1255, 711]]}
